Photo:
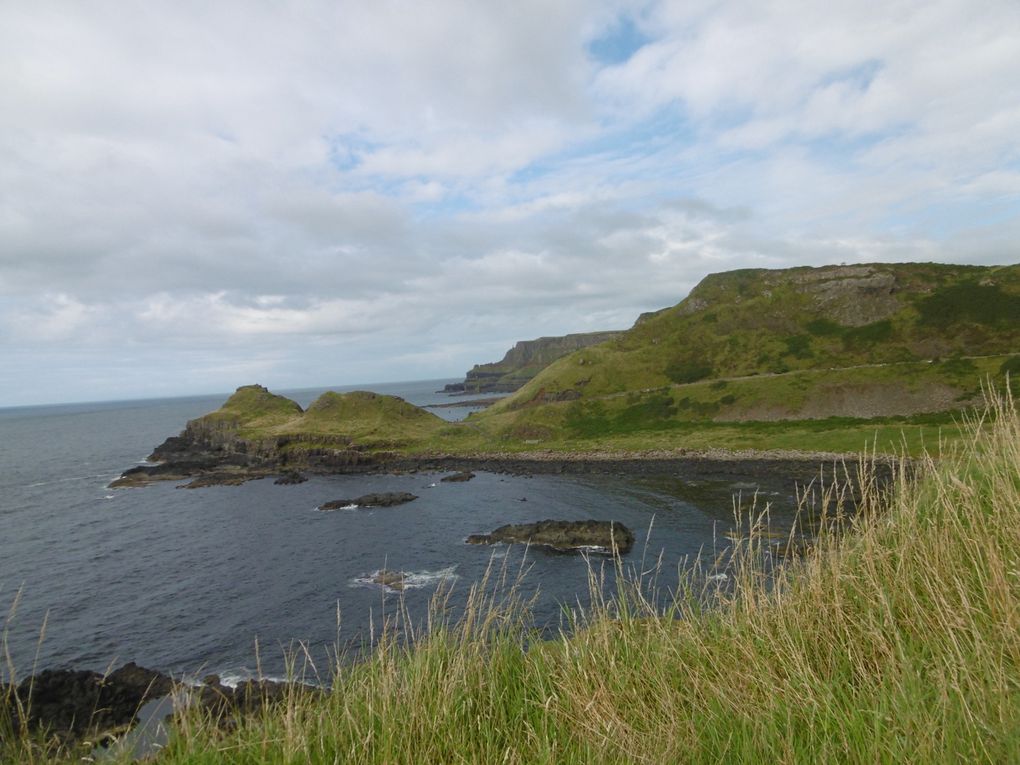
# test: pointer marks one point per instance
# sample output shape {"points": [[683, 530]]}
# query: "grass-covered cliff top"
{"points": [[811, 359], [757, 322], [821, 357], [369, 419]]}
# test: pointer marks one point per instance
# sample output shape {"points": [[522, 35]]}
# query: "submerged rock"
{"points": [[384, 499], [392, 579], [565, 536], [463, 475]]}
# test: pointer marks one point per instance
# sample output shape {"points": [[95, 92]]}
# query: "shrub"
{"points": [[824, 328], [688, 370], [978, 303]]}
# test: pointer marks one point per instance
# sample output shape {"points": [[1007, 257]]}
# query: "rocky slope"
{"points": [[524, 361]]}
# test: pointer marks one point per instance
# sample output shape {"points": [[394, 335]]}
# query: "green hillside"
{"points": [[358, 418], [802, 344]]}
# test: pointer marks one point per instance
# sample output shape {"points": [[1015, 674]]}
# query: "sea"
{"points": [[243, 581]]}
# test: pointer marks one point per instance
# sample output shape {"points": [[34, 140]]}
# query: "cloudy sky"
{"points": [[195, 196]]}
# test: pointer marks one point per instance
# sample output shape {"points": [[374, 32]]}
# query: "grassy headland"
{"points": [[895, 641], [805, 359]]}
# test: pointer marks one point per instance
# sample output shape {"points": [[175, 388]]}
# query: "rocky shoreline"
{"points": [[201, 470], [73, 708]]}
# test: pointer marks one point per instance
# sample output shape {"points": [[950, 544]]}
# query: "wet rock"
{"points": [[232, 478], [71, 704], [290, 478], [247, 697], [384, 499], [564, 536], [464, 475], [392, 579]]}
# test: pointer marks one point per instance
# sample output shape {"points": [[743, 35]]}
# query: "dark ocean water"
{"points": [[187, 581]]}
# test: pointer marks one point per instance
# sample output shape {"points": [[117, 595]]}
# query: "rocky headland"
{"points": [[524, 361]]}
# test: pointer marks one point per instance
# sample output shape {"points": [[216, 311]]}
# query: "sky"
{"points": [[196, 196]]}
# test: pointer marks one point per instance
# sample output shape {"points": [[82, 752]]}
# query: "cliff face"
{"points": [[526, 359]]}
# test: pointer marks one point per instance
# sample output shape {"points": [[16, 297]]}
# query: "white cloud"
{"points": [[202, 192]]}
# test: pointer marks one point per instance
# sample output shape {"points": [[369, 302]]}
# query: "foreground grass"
{"points": [[896, 642]]}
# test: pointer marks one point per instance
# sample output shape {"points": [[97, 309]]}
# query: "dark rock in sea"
{"points": [[385, 499], [453, 388], [72, 704], [290, 478], [463, 475], [392, 579], [564, 536], [232, 478]]}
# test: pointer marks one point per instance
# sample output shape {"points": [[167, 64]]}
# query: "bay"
{"points": [[227, 579]]}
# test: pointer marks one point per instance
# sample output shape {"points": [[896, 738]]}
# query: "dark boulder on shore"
{"points": [[564, 536], [385, 499], [71, 704]]}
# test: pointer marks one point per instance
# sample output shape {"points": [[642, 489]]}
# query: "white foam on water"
{"points": [[412, 580], [597, 549], [351, 506]]}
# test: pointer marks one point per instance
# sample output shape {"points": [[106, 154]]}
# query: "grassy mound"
{"points": [[250, 408], [893, 642], [366, 418]]}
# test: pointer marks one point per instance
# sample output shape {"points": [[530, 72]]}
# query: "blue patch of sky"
{"points": [[347, 149], [667, 127], [621, 41]]}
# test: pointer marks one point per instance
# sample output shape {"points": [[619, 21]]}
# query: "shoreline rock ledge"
{"points": [[562, 536], [383, 499]]}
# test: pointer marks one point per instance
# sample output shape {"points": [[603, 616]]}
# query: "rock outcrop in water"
{"points": [[384, 499], [563, 536]]}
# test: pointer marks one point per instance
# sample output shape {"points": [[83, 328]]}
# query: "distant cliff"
{"points": [[522, 362]]}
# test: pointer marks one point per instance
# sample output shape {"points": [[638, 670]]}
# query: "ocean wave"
{"points": [[72, 478], [412, 580]]}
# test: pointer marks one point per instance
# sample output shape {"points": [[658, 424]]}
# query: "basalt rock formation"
{"points": [[383, 499], [562, 536]]}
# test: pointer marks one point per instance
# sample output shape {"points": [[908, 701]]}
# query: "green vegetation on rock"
{"points": [[853, 342], [807, 359], [526, 359]]}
